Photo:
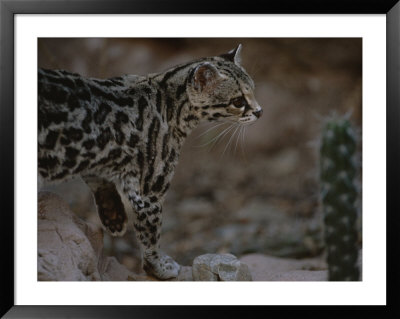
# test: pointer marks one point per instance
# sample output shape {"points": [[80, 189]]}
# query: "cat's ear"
{"points": [[205, 76], [233, 55]]}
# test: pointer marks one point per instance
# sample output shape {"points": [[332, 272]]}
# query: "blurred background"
{"points": [[260, 194]]}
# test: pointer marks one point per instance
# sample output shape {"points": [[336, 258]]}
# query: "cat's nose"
{"points": [[258, 113]]}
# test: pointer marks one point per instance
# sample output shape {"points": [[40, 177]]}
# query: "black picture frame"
{"points": [[8, 10]]}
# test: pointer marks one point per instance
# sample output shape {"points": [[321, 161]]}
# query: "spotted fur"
{"points": [[123, 136]]}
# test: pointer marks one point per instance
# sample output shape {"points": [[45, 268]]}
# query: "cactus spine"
{"points": [[338, 170]]}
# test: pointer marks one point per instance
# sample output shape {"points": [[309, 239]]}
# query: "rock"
{"points": [[302, 275], [77, 195], [227, 272], [234, 271], [243, 274], [201, 268], [64, 250], [70, 249], [221, 259], [268, 268], [223, 267], [185, 274], [112, 270]]}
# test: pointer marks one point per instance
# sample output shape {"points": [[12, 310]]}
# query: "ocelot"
{"points": [[123, 136]]}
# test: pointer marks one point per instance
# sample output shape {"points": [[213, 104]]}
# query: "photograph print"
{"points": [[199, 159]]}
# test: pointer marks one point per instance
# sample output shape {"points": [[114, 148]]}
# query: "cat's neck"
{"points": [[180, 113]]}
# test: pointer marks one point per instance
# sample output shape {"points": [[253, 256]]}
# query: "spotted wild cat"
{"points": [[123, 136]]}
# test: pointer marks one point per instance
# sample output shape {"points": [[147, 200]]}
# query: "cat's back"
{"points": [[67, 91], [68, 100], [80, 120]]}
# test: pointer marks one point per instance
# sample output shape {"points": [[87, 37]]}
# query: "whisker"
{"points": [[230, 139], [242, 144], [241, 141], [221, 136], [237, 138], [211, 128], [215, 137]]}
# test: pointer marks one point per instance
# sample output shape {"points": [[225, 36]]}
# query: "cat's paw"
{"points": [[161, 266]]}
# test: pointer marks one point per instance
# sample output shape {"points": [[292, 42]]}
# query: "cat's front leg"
{"points": [[148, 231], [147, 223]]}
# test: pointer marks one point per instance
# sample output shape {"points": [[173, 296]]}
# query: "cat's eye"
{"points": [[239, 102]]}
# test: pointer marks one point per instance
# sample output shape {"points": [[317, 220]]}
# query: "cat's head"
{"points": [[220, 89]]}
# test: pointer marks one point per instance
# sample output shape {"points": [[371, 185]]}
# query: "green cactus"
{"points": [[338, 171]]}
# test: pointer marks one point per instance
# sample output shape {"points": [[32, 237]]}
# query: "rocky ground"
{"points": [[258, 198], [71, 249]]}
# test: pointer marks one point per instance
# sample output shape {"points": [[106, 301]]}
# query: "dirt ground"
{"points": [[260, 193]]}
